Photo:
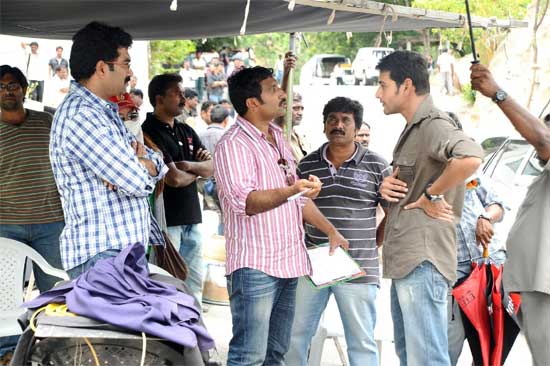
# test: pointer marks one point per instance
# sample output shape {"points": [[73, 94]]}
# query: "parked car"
{"points": [[364, 64], [318, 69], [512, 164], [342, 75]]}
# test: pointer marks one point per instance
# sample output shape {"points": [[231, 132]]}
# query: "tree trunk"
{"points": [[539, 18]]}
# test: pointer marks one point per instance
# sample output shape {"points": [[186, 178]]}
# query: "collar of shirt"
{"points": [[356, 157], [216, 126], [423, 110], [254, 132], [86, 94]]}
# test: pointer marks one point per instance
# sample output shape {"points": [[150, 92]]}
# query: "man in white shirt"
{"points": [[59, 87], [445, 65], [36, 69]]}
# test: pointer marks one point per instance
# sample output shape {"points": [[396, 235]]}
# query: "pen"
{"points": [[298, 195]]}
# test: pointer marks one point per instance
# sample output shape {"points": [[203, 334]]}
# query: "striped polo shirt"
{"points": [[348, 199], [28, 193]]}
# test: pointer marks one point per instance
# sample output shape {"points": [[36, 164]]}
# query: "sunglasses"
{"points": [[285, 166], [10, 87], [133, 116]]}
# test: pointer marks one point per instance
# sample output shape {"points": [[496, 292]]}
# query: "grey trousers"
{"points": [[534, 317]]}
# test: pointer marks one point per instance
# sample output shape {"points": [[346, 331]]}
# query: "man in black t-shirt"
{"points": [[186, 158]]}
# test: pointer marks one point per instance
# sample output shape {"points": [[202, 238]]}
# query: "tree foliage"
{"points": [[166, 56], [486, 40]]}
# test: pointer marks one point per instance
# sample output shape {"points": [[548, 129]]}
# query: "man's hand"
{"points": [[139, 149], [482, 80], [312, 184], [203, 155], [393, 189], [336, 240], [290, 61], [484, 232], [440, 210]]}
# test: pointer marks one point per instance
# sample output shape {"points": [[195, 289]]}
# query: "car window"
{"points": [[533, 167], [510, 161]]}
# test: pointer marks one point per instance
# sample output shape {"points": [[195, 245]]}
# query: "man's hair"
{"points": [[16, 73], [344, 105], [34, 43], [160, 84], [59, 47], [296, 97], [137, 92], [219, 114], [206, 105], [407, 65], [189, 93], [366, 124], [245, 84], [455, 119], [93, 43], [224, 101], [60, 67]]}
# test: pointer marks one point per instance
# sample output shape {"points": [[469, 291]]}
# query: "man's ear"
{"points": [[101, 68], [252, 103], [408, 86]]}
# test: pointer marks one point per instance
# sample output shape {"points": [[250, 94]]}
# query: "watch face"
{"points": [[500, 95]]}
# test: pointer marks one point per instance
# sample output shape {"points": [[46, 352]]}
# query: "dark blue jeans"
{"points": [[44, 238], [262, 308]]}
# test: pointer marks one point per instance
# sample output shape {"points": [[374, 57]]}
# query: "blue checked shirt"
{"points": [[89, 144], [475, 202]]}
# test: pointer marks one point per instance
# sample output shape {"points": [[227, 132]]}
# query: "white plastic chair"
{"points": [[331, 327], [12, 264]]}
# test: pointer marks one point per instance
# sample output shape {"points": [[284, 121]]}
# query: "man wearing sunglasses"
{"points": [[104, 175], [29, 212], [257, 185], [128, 112]]}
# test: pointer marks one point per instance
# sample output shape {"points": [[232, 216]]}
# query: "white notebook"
{"points": [[329, 270]]}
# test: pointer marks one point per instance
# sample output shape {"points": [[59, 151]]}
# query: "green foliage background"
{"points": [[166, 56]]}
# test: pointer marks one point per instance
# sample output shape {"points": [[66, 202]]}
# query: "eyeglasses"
{"points": [[283, 164], [125, 63], [10, 87], [133, 116]]}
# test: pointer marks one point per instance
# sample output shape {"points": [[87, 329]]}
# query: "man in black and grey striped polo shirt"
{"points": [[351, 177]]}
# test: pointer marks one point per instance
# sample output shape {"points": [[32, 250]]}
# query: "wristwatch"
{"points": [[432, 197], [485, 216], [500, 96]]}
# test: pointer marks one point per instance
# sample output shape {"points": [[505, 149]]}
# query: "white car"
{"points": [[364, 64], [319, 69], [512, 164]]}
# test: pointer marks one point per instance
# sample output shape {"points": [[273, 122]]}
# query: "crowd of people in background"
{"points": [[95, 169]]}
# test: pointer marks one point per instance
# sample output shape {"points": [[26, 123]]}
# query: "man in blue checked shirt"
{"points": [[103, 174], [483, 210]]}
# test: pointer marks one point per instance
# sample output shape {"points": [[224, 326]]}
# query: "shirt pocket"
{"points": [[407, 168]]}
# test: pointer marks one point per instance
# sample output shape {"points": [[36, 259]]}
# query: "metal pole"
{"points": [[472, 41], [289, 98]]}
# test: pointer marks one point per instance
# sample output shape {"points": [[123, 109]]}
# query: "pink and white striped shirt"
{"points": [[273, 241]]}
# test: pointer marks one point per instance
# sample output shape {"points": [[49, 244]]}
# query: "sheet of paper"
{"points": [[328, 269]]}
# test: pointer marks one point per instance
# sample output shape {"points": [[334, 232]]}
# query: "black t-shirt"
{"points": [[177, 144]]}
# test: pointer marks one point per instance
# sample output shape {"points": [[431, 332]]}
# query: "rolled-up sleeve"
{"points": [[445, 141], [235, 175]]}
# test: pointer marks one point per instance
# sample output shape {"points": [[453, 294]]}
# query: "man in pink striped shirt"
{"points": [[257, 185]]}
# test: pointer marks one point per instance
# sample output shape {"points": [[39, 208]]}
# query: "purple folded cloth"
{"points": [[118, 291]]}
